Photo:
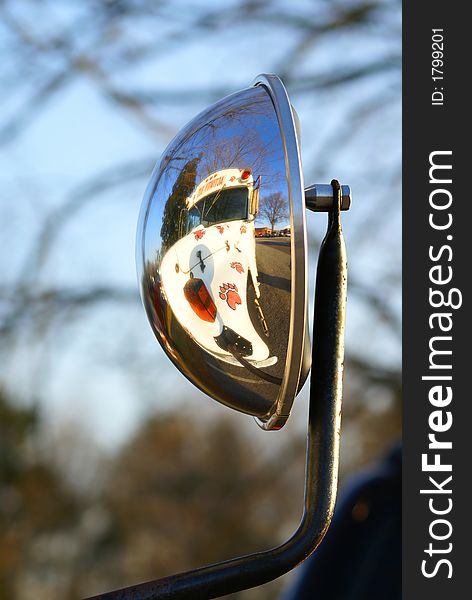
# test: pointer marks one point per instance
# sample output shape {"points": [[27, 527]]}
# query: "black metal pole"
{"points": [[322, 449]]}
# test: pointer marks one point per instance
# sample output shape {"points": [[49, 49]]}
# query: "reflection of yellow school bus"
{"points": [[205, 273], [226, 195]]}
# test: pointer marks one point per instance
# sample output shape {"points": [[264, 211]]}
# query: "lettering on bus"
{"points": [[210, 185]]}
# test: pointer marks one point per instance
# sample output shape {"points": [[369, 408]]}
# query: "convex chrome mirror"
{"points": [[221, 252]]}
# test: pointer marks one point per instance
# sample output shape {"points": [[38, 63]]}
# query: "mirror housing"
{"points": [[221, 253]]}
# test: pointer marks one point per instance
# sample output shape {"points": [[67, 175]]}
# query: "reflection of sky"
{"points": [[78, 134]]}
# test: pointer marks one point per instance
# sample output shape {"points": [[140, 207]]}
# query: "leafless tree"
{"points": [[342, 54], [274, 208], [41, 63]]}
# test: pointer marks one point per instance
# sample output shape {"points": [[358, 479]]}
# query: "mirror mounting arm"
{"points": [[322, 446]]}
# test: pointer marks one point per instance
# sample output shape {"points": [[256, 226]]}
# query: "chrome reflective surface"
{"points": [[221, 253]]}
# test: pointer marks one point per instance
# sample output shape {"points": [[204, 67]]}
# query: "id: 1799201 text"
{"points": [[437, 67]]}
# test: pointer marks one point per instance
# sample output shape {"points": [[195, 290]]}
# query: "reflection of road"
{"points": [[273, 263]]}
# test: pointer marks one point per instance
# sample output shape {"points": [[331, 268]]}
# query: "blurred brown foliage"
{"points": [[34, 502], [177, 496]]}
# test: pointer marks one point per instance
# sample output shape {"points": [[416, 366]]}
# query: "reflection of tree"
{"points": [[176, 202], [274, 209], [248, 149], [243, 132]]}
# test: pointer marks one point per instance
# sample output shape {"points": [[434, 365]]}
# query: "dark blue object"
{"points": [[360, 557]]}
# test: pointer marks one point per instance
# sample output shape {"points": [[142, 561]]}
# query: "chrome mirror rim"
{"points": [[286, 119]]}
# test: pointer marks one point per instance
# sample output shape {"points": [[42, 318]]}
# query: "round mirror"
{"points": [[221, 253]]}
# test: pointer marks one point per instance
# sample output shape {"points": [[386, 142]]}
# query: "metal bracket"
{"points": [[322, 446]]}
